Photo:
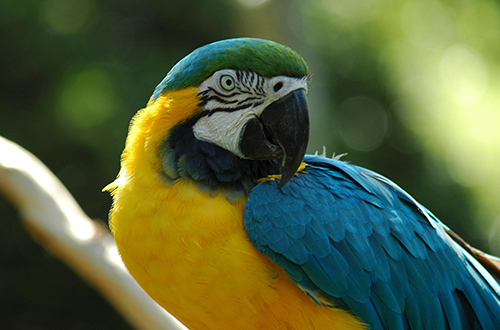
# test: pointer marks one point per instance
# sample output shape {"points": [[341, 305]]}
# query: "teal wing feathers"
{"points": [[352, 239]]}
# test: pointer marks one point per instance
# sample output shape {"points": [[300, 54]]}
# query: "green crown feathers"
{"points": [[267, 58]]}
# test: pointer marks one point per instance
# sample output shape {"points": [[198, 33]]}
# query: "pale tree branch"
{"points": [[58, 223]]}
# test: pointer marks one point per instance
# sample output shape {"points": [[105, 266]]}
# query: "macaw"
{"points": [[224, 221]]}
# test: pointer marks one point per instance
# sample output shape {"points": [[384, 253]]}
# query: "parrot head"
{"points": [[251, 119]]}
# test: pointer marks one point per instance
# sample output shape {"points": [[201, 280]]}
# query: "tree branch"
{"points": [[58, 223]]}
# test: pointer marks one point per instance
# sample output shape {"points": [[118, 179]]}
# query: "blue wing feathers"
{"points": [[388, 296], [413, 311], [354, 238], [316, 244], [367, 312], [326, 275], [297, 253], [367, 258], [422, 281], [382, 269], [437, 315], [390, 245], [358, 242], [451, 311], [356, 277], [295, 231], [467, 318], [482, 313], [279, 245], [389, 319]]}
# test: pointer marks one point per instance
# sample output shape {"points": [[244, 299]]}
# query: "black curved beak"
{"points": [[282, 131]]}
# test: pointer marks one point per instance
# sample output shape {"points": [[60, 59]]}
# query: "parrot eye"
{"points": [[227, 82], [278, 86]]}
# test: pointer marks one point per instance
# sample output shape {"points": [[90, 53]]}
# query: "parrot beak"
{"points": [[282, 131]]}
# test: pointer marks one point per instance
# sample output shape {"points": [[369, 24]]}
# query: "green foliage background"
{"points": [[410, 89]]}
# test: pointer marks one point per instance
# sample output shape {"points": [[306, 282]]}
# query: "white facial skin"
{"points": [[234, 97]]}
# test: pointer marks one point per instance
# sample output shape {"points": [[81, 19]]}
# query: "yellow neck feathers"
{"points": [[150, 126]]}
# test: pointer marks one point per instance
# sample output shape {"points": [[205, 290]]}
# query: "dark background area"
{"points": [[408, 90]]}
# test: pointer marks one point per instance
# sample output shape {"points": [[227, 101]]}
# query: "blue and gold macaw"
{"points": [[222, 218]]}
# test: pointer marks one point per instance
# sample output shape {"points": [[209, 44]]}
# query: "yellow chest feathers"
{"points": [[190, 252]]}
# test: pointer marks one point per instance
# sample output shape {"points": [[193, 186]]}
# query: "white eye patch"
{"points": [[223, 129], [234, 97]]}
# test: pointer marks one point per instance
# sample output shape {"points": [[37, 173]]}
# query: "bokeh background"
{"points": [[410, 89]]}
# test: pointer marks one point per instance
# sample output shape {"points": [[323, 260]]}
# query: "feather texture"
{"points": [[354, 238]]}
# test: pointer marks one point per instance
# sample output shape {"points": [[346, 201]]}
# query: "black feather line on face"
{"points": [[239, 75], [236, 92], [260, 85], [219, 99], [250, 99], [241, 107]]}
